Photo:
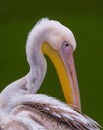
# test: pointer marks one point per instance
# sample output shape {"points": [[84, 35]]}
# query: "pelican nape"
{"points": [[22, 109]]}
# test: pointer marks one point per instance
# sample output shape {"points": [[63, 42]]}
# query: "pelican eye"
{"points": [[65, 45]]}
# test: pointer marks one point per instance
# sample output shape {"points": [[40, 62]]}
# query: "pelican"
{"points": [[22, 109]]}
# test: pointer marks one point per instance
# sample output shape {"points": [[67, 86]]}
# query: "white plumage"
{"points": [[20, 108]]}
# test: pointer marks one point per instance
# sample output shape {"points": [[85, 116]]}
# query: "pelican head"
{"points": [[58, 43]]}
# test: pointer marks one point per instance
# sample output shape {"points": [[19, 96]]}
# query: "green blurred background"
{"points": [[84, 18]]}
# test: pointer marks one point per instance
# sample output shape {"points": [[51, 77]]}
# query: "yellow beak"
{"points": [[64, 64]]}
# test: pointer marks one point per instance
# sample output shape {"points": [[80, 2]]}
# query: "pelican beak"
{"points": [[64, 64]]}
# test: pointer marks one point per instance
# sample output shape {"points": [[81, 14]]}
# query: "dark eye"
{"points": [[67, 48], [66, 45]]}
